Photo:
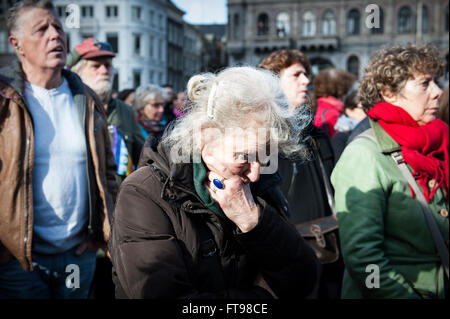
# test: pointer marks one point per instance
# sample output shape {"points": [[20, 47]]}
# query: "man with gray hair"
{"points": [[57, 187], [92, 61]]}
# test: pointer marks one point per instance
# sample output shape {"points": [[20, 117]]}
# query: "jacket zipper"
{"points": [[90, 230], [25, 241]]}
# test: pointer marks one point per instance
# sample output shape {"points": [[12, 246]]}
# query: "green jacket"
{"points": [[381, 224], [122, 116]]}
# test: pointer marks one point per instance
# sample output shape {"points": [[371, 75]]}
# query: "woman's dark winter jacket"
{"points": [[302, 181], [166, 244]]}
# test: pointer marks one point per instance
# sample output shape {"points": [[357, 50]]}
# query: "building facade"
{"points": [[136, 30], [175, 43], [6, 51], [339, 33], [193, 52], [215, 46]]}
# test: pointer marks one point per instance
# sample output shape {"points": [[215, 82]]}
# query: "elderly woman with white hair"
{"points": [[197, 219], [149, 106]]}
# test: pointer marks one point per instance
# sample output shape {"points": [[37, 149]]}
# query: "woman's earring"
{"points": [[17, 47]]}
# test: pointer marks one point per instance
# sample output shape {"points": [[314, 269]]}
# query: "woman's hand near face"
{"points": [[236, 200]]}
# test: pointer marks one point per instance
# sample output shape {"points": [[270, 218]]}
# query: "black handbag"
{"points": [[322, 234]]}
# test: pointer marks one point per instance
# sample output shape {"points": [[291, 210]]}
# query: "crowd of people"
{"points": [[153, 193]]}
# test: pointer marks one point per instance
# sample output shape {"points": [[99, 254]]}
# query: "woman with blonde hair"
{"points": [[392, 182], [197, 219]]}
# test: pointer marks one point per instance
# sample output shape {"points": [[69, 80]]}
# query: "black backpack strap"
{"points": [[324, 124]]}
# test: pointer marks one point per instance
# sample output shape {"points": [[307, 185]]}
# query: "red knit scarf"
{"points": [[425, 148]]}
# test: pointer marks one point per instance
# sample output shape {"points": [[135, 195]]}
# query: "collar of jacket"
{"points": [[12, 75], [179, 180], [112, 106], [386, 143]]}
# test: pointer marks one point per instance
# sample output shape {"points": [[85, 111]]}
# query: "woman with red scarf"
{"points": [[387, 246]]}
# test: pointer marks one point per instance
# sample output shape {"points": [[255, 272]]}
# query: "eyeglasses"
{"points": [[157, 104]]}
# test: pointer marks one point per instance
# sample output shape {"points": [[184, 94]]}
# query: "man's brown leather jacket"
{"points": [[16, 164]]}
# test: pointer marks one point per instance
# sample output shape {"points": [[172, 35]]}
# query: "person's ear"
{"points": [[14, 42], [388, 96]]}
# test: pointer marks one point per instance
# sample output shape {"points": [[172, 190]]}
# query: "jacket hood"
{"points": [[13, 75]]}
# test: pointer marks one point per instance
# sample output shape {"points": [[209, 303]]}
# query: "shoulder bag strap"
{"points": [[437, 237], [325, 179], [324, 123]]}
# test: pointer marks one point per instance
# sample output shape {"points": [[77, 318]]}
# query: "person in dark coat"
{"points": [[303, 181], [203, 216]]}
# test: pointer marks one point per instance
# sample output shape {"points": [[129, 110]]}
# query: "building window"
{"points": [[308, 24], [68, 41], [236, 26], [151, 46], [160, 78], [137, 44], [404, 20], [87, 11], [380, 29], [328, 23], [152, 17], [152, 75], [113, 39], [283, 26], [353, 22], [112, 11], [263, 24], [446, 19], [424, 19], [136, 78], [136, 13], [115, 86], [353, 65], [161, 22], [61, 12], [161, 50]]}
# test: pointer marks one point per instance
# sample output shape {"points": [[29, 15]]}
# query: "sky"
{"points": [[203, 11]]}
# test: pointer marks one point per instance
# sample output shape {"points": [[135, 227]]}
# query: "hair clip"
{"points": [[210, 107]]}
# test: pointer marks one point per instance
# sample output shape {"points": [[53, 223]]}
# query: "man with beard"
{"points": [[92, 61]]}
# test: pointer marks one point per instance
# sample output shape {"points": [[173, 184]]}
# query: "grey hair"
{"points": [[18, 8], [78, 67], [241, 94], [144, 94]]}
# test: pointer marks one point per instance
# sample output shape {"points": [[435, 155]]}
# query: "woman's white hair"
{"points": [[145, 94], [236, 97]]}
